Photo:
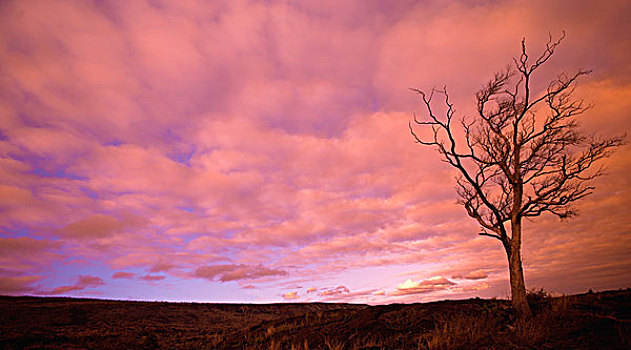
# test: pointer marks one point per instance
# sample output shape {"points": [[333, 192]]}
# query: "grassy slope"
{"points": [[586, 321]]}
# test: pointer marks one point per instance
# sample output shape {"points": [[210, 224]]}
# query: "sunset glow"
{"points": [[245, 151]]}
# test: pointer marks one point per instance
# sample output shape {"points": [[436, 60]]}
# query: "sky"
{"points": [[259, 151]]}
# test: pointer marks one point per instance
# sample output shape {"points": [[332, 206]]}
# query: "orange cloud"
{"points": [[291, 296]]}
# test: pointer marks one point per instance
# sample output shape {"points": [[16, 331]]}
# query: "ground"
{"points": [[585, 321]]}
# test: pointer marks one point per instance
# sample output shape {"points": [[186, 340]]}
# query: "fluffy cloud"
{"points": [[16, 282], [291, 296], [426, 286], [96, 226], [334, 291], [24, 246], [226, 273], [26, 253], [128, 140]]}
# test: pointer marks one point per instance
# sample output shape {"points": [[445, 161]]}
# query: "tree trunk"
{"points": [[517, 284]]}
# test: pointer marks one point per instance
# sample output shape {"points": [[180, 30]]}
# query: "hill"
{"points": [[584, 321]]}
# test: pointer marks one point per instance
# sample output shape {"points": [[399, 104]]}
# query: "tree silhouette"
{"points": [[521, 155]]}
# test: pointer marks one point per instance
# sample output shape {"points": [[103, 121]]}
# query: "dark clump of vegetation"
{"points": [[585, 321]]}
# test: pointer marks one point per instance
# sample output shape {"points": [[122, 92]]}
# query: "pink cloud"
{"points": [[123, 274], [162, 267], [473, 275], [15, 282], [342, 294], [96, 226], [334, 291], [226, 273], [14, 196], [26, 253], [90, 281], [472, 288], [128, 140], [83, 282], [24, 245], [152, 278], [17, 285]]}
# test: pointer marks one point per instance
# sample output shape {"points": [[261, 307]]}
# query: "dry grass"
{"points": [[497, 327], [457, 331], [579, 322]]}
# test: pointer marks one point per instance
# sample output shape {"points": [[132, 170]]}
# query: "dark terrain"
{"points": [[584, 321]]}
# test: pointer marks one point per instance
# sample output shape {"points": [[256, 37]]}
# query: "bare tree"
{"points": [[521, 155]]}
